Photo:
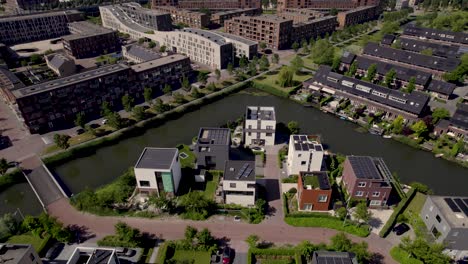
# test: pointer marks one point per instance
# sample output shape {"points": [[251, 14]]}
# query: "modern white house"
{"points": [[304, 154], [158, 171], [260, 126], [239, 182], [91, 255]]}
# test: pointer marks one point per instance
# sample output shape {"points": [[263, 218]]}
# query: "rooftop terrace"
{"points": [[260, 113]]}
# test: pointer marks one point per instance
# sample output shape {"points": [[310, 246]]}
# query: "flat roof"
{"points": [[460, 117], [329, 257], [437, 34], [38, 15], [123, 18], [260, 113], [319, 177], [264, 17], [100, 256], [12, 253], [239, 170], [236, 38], [303, 143], [73, 79], [234, 11], [157, 158], [206, 34], [85, 29], [366, 167], [141, 52], [453, 208], [431, 62], [139, 9], [214, 136], [157, 62], [10, 80]]}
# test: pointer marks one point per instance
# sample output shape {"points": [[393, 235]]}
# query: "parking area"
{"points": [[379, 218]]}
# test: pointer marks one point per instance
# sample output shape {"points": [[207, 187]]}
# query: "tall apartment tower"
{"points": [[305, 154], [260, 126]]}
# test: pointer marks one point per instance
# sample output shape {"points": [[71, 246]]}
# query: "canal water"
{"points": [[107, 163]]}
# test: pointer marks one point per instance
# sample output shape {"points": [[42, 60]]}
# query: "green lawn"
{"points": [[37, 242], [189, 161], [328, 222], [401, 256], [200, 257], [417, 203], [268, 83], [210, 188]]}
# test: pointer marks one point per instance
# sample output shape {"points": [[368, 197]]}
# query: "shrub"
{"points": [[327, 221], [396, 212], [290, 179], [165, 252], [292, 191], [12, 178]]}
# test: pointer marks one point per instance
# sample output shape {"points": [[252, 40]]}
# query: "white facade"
{"points": [[260, 126], [245, 192], [304, 155]]}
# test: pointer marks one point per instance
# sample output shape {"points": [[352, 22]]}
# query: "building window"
{"points": [[438, 218], [359, 193], [299, 155], [376, 194], [322, 198], [269, 134], [361, 184], [232, 185], [250, 133], [250, 185], [375, 202], [303, 162], [269, 127], [144, 184], [307, 207]]}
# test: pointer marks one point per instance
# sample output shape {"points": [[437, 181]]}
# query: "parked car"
{"points": [[125, 252], [401, 229], [227, 252], [54, 251]]}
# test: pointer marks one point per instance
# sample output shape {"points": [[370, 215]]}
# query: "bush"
{"points": [[396, 212], [292, 191], [12, 178], [290, 179], [165, 252], [402, 256], [327, 221]]}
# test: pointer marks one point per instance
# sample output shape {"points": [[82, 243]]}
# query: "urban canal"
{"points": [[337, 135]]}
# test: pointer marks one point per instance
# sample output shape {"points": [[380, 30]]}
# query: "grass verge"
{"points": [[402, 256], [327, 221]]}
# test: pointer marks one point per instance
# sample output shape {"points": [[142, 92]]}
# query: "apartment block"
{"points": [[19, 254], [368, 179], [313, 28], [154, 19], [208, 4], [15, 7], [314, 192], [242, 47], [39, 26], [89, 40], [377, 98], [304, 154], [158, 171], [139, 54], [260, 126], [239, 182], [446, 217], [218, 18], [212, 147], [60, 64], [357, 16], [184, 16], [8, 83], [436, 35], [300, 15], [324, 4]]}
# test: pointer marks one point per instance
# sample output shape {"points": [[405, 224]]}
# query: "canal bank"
{"points": [[410, 164]]}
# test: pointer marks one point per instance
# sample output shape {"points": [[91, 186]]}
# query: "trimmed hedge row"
{"points": [[270, 89], [163, 252], [90, 147], [285, 204], [396, 212], [274, 253], [12, 178]]}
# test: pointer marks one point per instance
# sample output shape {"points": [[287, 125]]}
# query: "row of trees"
{"points": [[442, 4]]}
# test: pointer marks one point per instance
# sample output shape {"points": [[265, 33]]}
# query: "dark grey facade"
{"points": [[160, 21], [212, 147]]}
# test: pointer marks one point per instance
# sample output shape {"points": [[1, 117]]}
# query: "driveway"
{"points": [[379, 218]]}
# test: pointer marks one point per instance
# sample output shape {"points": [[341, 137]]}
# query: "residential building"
{"points": [[89, 40], [16, 7], [239, 182], [357, 16], [325, 5], [212, 147], [431, 64], [208, 4], [60, 64], [8, 83], [138, 54], [328, 257], [218, 18], [313, 29], [388, 40], [241, 47], [457, 126], [441, 89], [158, 171], [260, 126], [186, 17], [300, 15], [18, 254], [446, 217], [153, 19], [377, 98], [90, 255], [436, 35], [314, 192], [437, 49], [39, 26], [304, 154], [367, 178]]}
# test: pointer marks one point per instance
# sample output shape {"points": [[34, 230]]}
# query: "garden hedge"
{"points": [[396, 212], [11, 178]]}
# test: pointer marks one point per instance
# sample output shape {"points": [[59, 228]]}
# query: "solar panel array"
{"points": [[333, 260], [364, 167], [244, 171], [457, 205], [214, 135]]}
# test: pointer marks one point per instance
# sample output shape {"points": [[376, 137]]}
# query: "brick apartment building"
{"points": [[299, 15], [357, 16], [325, 4], [218, 18], [208, 4], [89, 40], [313, 28], [314, 192], [183, 16], [40, 26], [368, 179]]}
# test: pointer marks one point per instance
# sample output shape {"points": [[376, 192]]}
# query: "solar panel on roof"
{"points": [[303, 138], [296, 137], [462, 205], [452, 205], [247, 172]]}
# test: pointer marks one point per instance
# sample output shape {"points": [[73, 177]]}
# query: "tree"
{"points": [[8, 226], [35, 59], [160, 106], [80, 120], [293, 127], [61, 141], [307, 249], [340, 242], [127, 102], [114, 120], [322, 52], [196, 93], [262, 45], [411, 85], [148, 94], [218, 74], [185, 83], [297, 64], [179, 98], [141, 40], [295, 46], [139, 113], [424, 251], [230, 68], [427, 52], [196, 206], [105, 109], [127, 234], [390, 77], [305, 46], [167, 89], [336, 63], [341, 213], [151, 44], [361, 251], [3, 166], [243, 62], [285, 77], [459, 73], [352, 69], [264, 64], [371, 72], [190, 233], [396, 44], [202, 77], [205, 239], [421, 187], [333, 12], [362, 213], [275, 58], [162, 48], [397, 125], [252, 240], [419, 128]]}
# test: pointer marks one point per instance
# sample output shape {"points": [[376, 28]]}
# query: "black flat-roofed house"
{"points": [[431, 64], [441, 89], [212, 147], [330, 257], [376, 98], [403, 74], [438, 49], [436, 34]]}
